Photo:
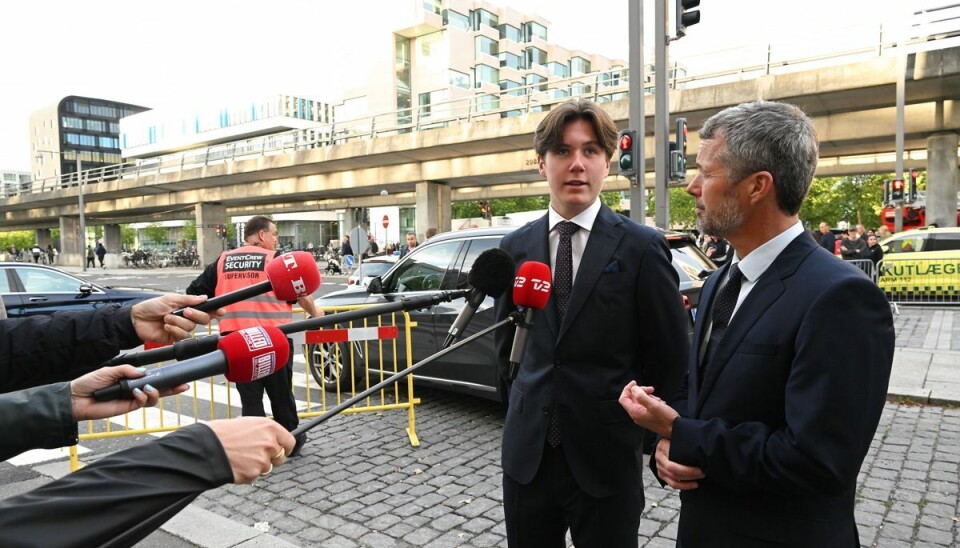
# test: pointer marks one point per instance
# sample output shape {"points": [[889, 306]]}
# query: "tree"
{"points": [[683, 212], [128, 236], [855, 199], [189, 231], [23, 239], [155, 233], [504, 206]]}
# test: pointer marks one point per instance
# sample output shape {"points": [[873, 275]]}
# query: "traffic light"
{"points": [[912, 189], [886, 191], [485, 210], [678, 153], [896, 190], [686, 16], [627, 143]]}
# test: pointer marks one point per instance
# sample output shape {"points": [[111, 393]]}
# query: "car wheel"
{"points": [[329, 362]]}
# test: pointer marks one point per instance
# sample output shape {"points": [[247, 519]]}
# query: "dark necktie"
{"points": [[562, 286], [563, 272], [723, 306]]}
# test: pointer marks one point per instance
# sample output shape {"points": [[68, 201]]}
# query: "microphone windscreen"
{"points": [[492, 272], [254, 352], [531, 287], [293, 275]]}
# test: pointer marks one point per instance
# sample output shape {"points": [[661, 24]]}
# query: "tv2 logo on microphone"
{"points": [[298, 285], [257, 339], [543, 286]]}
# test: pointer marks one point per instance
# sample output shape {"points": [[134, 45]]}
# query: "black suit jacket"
{"points": [[787, 408], [624, 321]]}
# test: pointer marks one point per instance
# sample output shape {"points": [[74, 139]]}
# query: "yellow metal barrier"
{"points": [[173, 412], [345, 366]]}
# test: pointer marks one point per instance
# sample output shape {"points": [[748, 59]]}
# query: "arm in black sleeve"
{"points": [[121, 498], [44, 349], [206, 282], [36, 418]]}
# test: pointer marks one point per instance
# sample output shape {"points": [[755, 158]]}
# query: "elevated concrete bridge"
{"points": [[852, 105]]}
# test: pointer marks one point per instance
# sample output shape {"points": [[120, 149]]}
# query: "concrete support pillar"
{"points": [[43, 237], [351, 220], [208, 216], [71, 245], [111, 241], [433, 208], [942, 179]]}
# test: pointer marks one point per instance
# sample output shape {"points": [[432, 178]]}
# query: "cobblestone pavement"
{"points": [[360, 483]]}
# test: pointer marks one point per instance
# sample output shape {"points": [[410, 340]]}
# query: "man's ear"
{"points": [[761, 187], [541, 166]]}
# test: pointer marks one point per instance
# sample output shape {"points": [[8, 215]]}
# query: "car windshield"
{"points": [[689, 262], [373, 268], [906, 244]]}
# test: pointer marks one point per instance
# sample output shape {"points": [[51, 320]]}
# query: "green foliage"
{"points": [[189, 231], [683, 213], [128, 236], [155, 233], [23, 239], [857, 199]]}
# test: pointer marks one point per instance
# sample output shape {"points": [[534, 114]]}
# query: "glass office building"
{"points": [[77, 126], [166, 130]]}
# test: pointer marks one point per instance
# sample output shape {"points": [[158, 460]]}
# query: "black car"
{"points": [[442, 263], [30, 289]]}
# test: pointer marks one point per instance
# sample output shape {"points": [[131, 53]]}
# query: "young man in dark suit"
{"points": [[767, 438], [571, 456]]}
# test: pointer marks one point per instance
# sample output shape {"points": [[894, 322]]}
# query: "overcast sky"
{"points": [[158, 53]]}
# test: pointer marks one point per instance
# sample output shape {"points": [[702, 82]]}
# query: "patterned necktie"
{"points": [[723, 306], [562, 286], [563, 272]]}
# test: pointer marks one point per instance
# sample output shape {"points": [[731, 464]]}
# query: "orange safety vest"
{"points": [[240, 268]]}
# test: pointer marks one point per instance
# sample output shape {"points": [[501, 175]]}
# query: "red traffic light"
{"points": [[898, 184], [626, 142]]}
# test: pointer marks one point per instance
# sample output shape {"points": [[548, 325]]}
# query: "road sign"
{"points": [[386, 221]]}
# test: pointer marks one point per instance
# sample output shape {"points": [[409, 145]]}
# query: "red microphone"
{"points": [[290, 276], [242, 356], [531, 290]]}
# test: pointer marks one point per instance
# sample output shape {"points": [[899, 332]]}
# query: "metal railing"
{"points": [[601, 86]]}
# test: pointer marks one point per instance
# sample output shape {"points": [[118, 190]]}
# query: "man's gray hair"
{"points": [[768, 136]]}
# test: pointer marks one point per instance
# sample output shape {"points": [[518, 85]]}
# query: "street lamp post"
{"points": [[83, 224]]}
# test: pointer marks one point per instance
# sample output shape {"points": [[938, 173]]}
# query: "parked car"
{"points": [[442, 263], [30, 289], [921, 265], [370, 269]]}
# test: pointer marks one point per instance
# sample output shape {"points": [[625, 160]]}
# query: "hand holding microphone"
{"points": [[243, 356], [290, 277], [531, 291]]}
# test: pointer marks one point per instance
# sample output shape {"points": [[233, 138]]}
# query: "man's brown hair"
{"points": [[549, 135], [255, 225]]}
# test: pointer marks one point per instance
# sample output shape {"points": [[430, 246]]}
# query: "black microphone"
{"points": [[189, 348], [180, 350], [531, 291], [244, 356], [490, 275]]}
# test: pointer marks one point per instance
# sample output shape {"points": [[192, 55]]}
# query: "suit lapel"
{"points": [[604, 238], [766, 291]]}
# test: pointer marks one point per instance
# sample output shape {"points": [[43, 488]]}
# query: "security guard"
{"points": [[237, 269]]}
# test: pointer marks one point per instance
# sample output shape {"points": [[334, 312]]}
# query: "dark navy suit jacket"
{"points": [[624, 321], [787, 408]]}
